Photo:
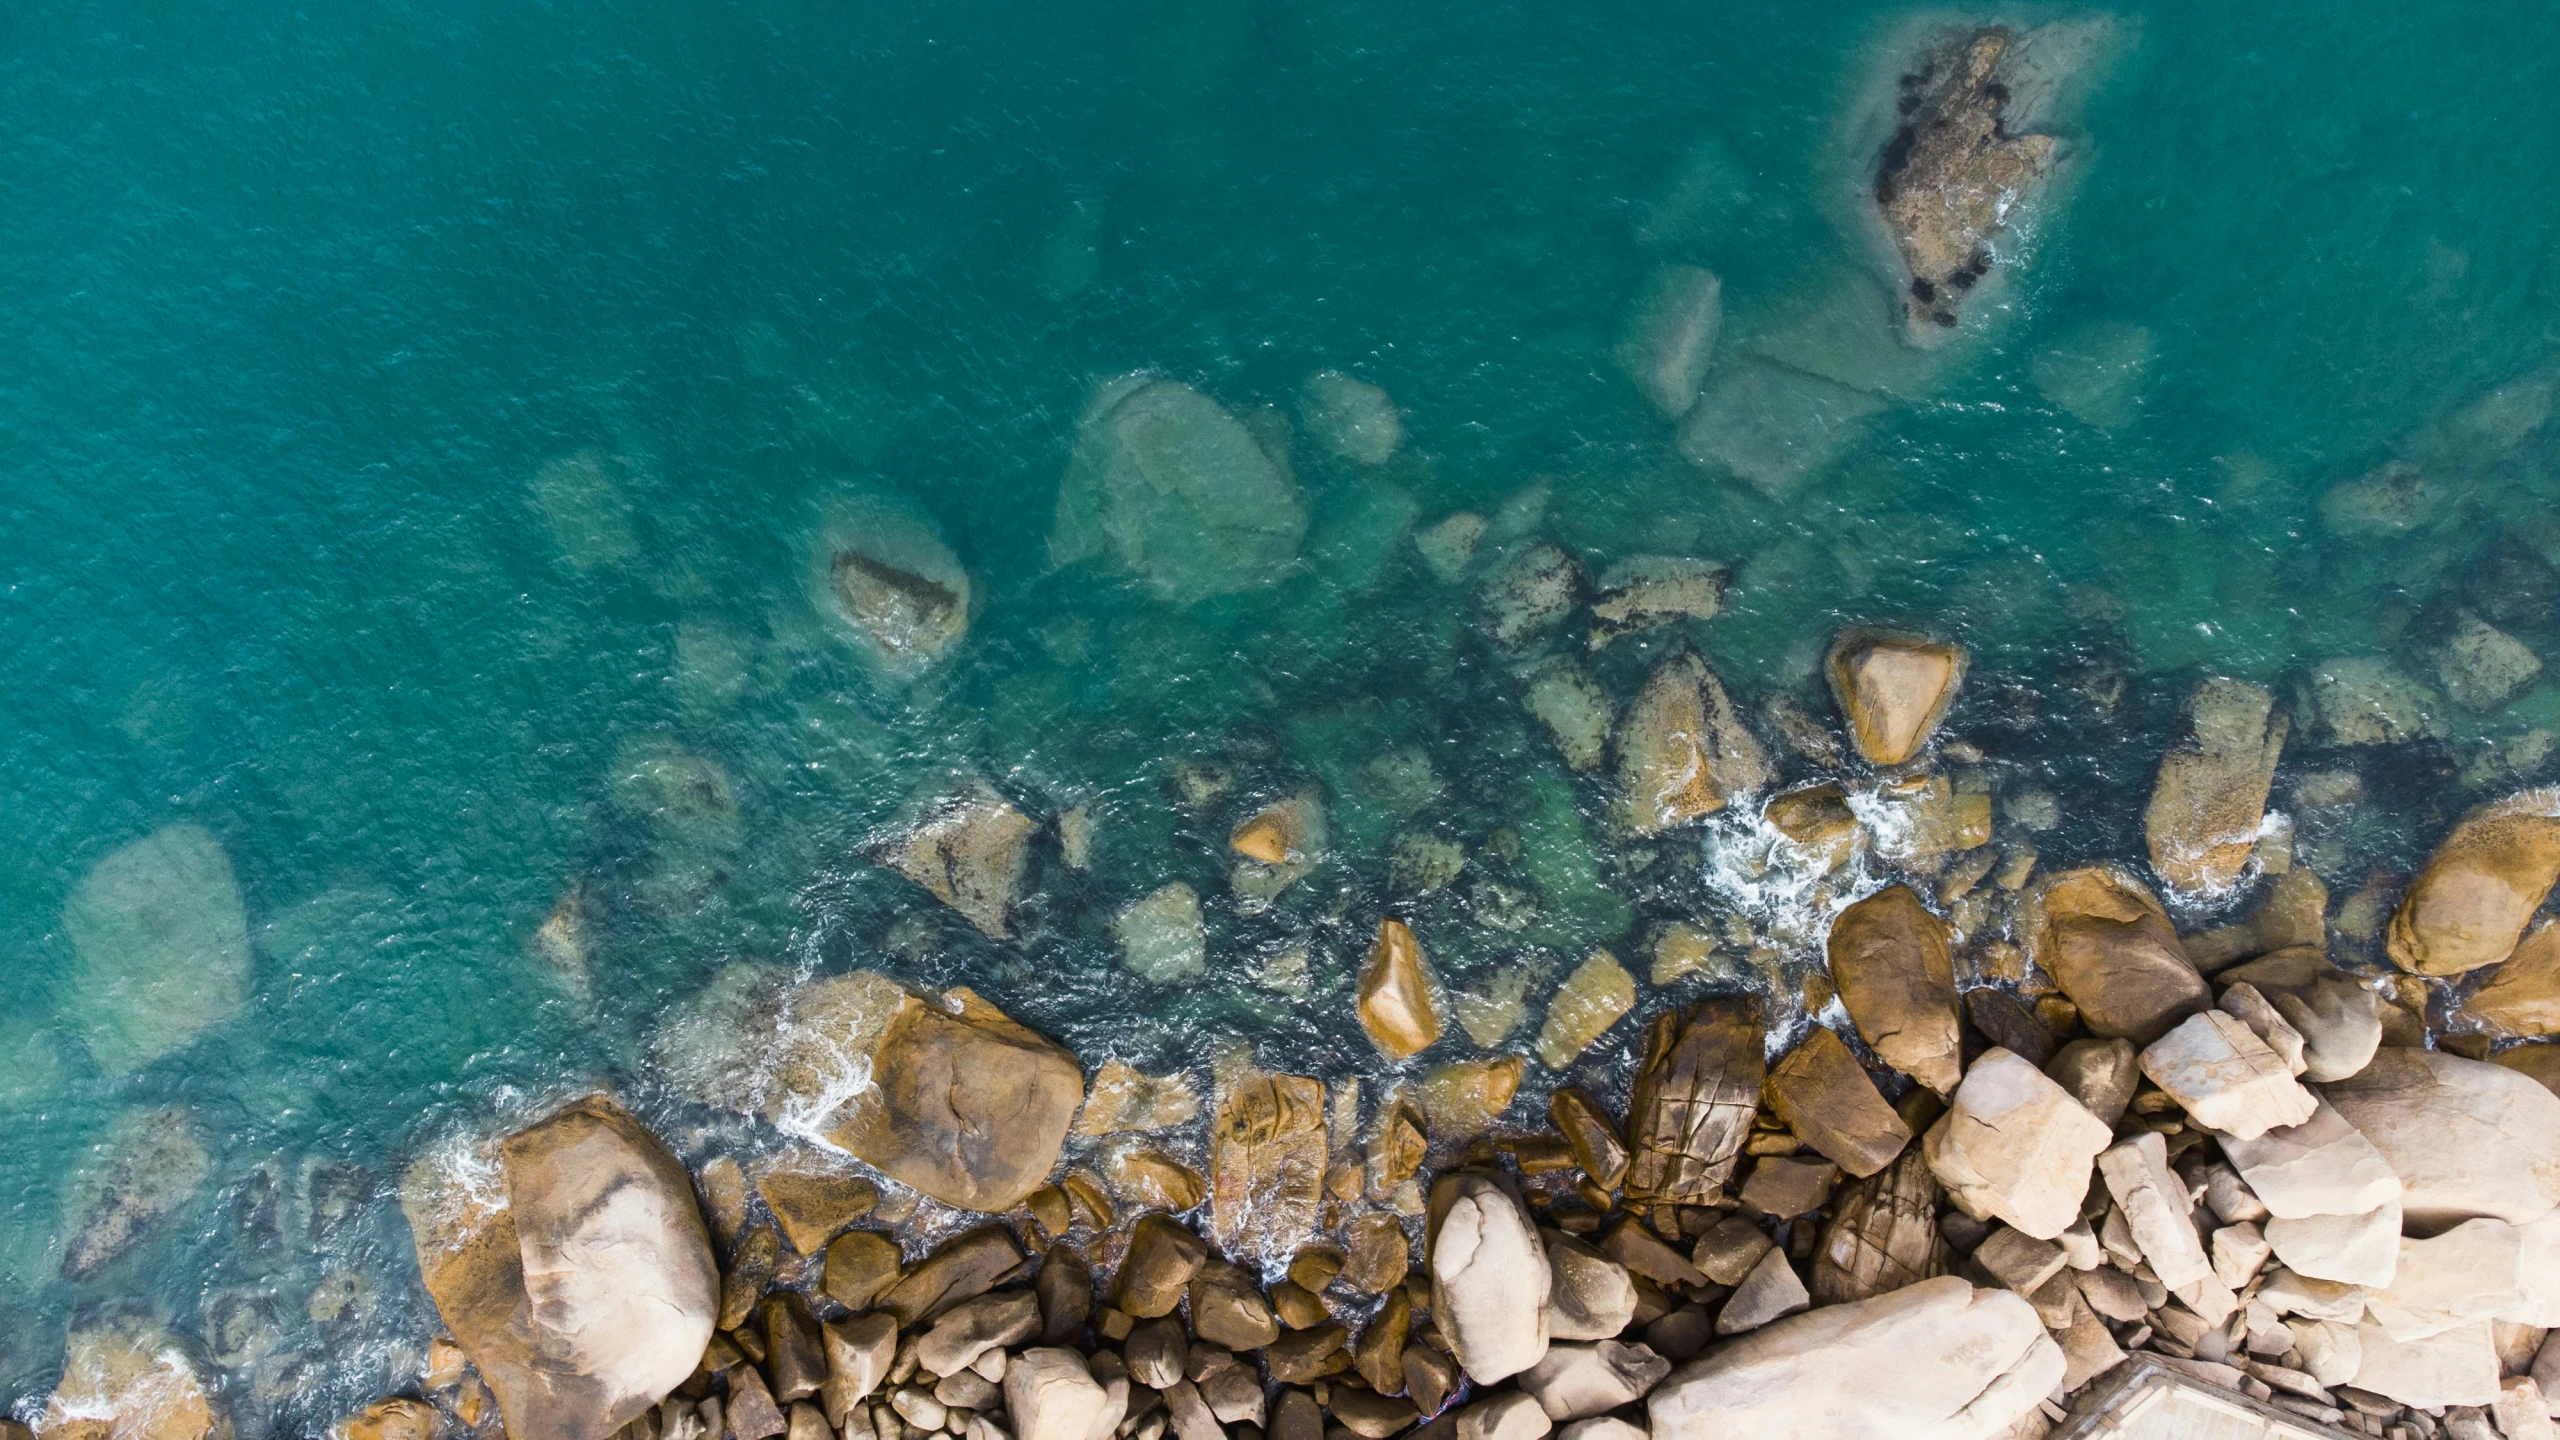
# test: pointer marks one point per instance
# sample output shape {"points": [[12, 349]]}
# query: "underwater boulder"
{"points": [[128, 1379], [160, 946], [1167, 484], [150, 1163], [885, 578], [2211, 794], [1670, 336], [1350, 417], [967, 847], [1683, 751], [571, 1262]]}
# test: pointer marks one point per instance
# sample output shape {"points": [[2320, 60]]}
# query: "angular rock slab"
{"points": [[571, 1263], [2211, 793], [2522, 997], [1174, 489], [1683, 751], [1823, 1094], [1489, 1277], [2156, 1209], [1883, 1234], [2107, 942], [1694, 1096], [2465, 1137], [2323, 1166], [1936, 1358], [2457, 1367], [2015, 1146], [1893, 688], [2226, 1078], [1895, 971], [2469, 907], [2345, 1249]]}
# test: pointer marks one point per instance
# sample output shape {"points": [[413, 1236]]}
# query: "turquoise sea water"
{"points": [[418, 419]]}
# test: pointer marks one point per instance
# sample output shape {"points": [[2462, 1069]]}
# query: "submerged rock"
{"points": [[2211, 794], [1594, 997], [159, 945], [1573, 707], [2469, 907], [572, 1265], [1167, 484], [129, 1380], [1670, 336], [1893, 689], [1940, 1357], [1275, 847], [1891, 960], [2096, 372], [1350, 417], [2481, 666], [1952, 176], [885, 577], [1267, 1154], [967, 848], [1529, 594], [1683, 752], [1124, 1100], [150, 1163], [1643, 591], [1161, 936], [2363, 700], [1771, 425]]}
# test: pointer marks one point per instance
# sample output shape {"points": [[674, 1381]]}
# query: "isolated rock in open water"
{"points": [[160, 947], [1170, 486]]}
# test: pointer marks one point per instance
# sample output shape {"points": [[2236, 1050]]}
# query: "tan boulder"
{"points": [[2338, 1018], [1824, 1095], [1890, 959], [1275, 848], [2015, 1146], [1267, 1153], [2225, 1077], [1399, 1005], [1123, 1099], [1696, 1088], [1683, 751], [570, 1261], [1883, 1234], [1490, 1278], [2211, 793], [1151, 1179], [128, 1380], [1893, 689], [2465, 1137], [2522, 997], [1961, 166], [1818, 819], [1590, 1134], [967, 848], [2469, 907], [813, 1198], [394, 1419], [964, 1104], [1594, 997], [2108, 943], [1464, 1097]]}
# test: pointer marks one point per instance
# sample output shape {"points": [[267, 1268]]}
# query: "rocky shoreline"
{"points": [[2034, 1133]]}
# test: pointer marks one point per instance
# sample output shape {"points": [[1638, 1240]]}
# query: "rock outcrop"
{"points": [[571, 1263], [967, 848], [1399, 1002], [2111, 947], [1940, 1357], [1266, 1164], [2469, 907], [1696, 1089], [2211, 793], [884, 575], [1952, 176], [1890, 959]]}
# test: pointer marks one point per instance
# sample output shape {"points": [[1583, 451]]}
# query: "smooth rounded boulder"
{"points": [[1489, 1277], [2469, 907], [572, 1265], [2105, 939], [1896, 976], [1893, 689], [1938, 1358]]}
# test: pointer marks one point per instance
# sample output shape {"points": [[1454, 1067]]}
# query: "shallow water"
{"points": [[420, 419]]}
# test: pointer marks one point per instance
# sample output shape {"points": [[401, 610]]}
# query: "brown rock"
{"points": [[1379, 1357], [128, 1380], [791, 1351], [967, 848], [2105, 940], [1227, 1308], [750, 1413], [1824, 1095], [1594, 997], [1155, 1274], [1122, 1099], [859, 1352], [1463, 1098], [2211, 793], [1683, 752], [963, 1267], [587, 1294], [2469, 907], [1951, 174], [1430, 1377], [1893, 689], [1889, 956], [1153, 1180], [750, 1272], [1065, 1289], [1304, 1356], [2009, 1025], [1398, 1007], [2522, 997], [860, 1267], [1695, 1093], [1397, 1140], [721, 1185], [1883, 1234], [400, 1419], [1316, 1266], [1818, 818], [1586, 1127], [2540, 1062], [1267, 1155], [1297, 1307], [814, 1201], [1378, 1253]]}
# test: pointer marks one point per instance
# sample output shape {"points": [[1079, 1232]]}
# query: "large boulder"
{"points": [[159, 947], [2469, 907], [1937, 1358], [128, 1380], [1696, 1088], [967, 847], [1399, 1002], [1266, 1163], [1167, 484], [150, 1163], [2340, 1020], [883, 576], [2015, 1146], [1683, 751], [2211, 793], [1954, 174], [2225, 1077], [2522, 997], [1489, 1277], [1893, 689], [2466, 1138], [1895, 971], [1825, 1096], [2107, 942], [570, 1262]]}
